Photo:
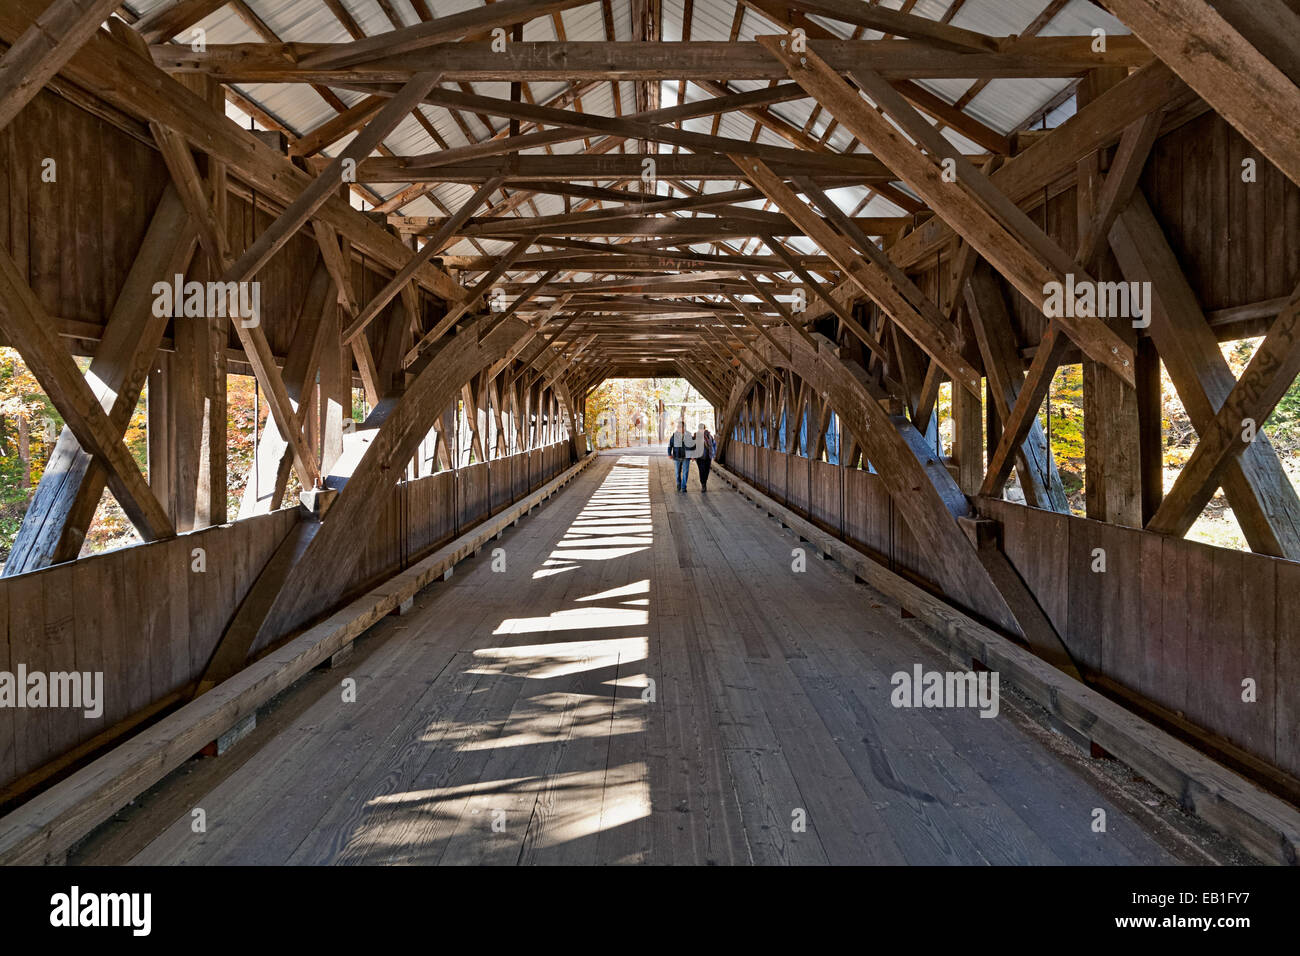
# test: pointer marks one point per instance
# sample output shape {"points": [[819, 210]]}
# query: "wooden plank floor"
{"points": [[506, 720]]}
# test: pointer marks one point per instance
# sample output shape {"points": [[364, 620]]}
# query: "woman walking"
{"points": [[705, 445]]}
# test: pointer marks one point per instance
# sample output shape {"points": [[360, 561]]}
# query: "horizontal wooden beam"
{"points": [[895, 22], [831, 169], [573, 61], [476, 20], [663, 226]]}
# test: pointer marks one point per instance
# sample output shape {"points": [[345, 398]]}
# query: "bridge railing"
{"points": [[1205, 639], [149, 617]]}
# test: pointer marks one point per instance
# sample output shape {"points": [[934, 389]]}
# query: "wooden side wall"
{"points": [[141, 615], [150, 623], [1178, 623]]}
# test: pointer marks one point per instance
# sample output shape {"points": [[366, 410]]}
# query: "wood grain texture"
{"points": [[518, 697]]}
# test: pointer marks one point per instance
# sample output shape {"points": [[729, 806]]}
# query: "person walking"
{"points": [[704, 442], [680, 444]]}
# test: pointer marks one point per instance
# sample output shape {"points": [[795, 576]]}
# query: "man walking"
{"points": [[679, 446]]}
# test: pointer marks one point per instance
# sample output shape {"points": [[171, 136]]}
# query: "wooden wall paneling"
{"points": [[1165, 172], [1177, 620], [372, 557], [46, 249], [519, 474], [129, 569], [900, 543], [226, 585], [1118, 601], [425, 520], [203, 591], [500, 483], [1274, 239], [1226, 180], [27, 646], [117, 639], [778, 470], [1218, 660], [874, 513], [148, 581], [429, 523], [16, 155], [417, 518], [1291, 230], [473, 500], [910, 554], [445, 496], [1151, 630], [7, 662], [57, 629], [117, 214], [1086, 586], [83, 229], [1200, 638], [1260, 654], [856, 510], [1194, 214], [1254, 229], [882, 519], [1238, 202], [175, 569], [8, 167], [827, 504], [797, 478], [1287, 669], [388, 556]]}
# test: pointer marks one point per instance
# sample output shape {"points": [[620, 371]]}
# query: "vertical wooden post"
{"points": [[992, 423], [1111, 428], [968, 440], [335, 390], [187, 424], [1151, 449]]}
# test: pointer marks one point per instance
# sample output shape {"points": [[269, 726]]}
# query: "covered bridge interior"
{"points": [[831, 217]]}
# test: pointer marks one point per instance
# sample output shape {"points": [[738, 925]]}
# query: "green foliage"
{"points": [[1217, 525], [25, 409], [1062, 421], [29, 427]]}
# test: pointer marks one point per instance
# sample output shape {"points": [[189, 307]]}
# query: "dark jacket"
{"points": [[677, 446]]}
